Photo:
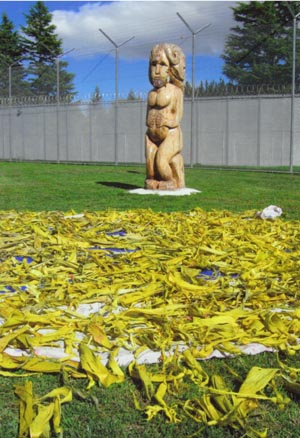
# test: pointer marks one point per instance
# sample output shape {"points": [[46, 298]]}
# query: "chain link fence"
{"points": [[232, 131], [212, 89], [227, 125]]}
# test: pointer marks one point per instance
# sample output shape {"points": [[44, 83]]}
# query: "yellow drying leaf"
{"points": [[190, 408], [9, 362], [5, 340], [160, 393], [35, 416], [141, 295], [40, 426], [99, 336], [202, 411], [213, 416], [113, 365], [256, 380], [151, 299], [205, 351], [169, 412], [39, 232], [145, 378], [26, 407], [72, 369], [95, 369], [196, 368], [12, 374], [73, 257], [253, 433], [157, 312], [223, 401], [136, 402], [152, 411], [229, 348], [234, 410], [213, 251], [42, 365], [57, 415], [60, 396], [176, 279], [63, 394], [275, 324], [217, 320]]}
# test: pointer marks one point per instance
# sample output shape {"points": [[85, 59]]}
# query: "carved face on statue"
{"points": [[166, 64], [159, 68]]}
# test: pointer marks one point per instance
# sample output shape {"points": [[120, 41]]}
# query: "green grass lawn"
{"points": [[37, 187], [110, 412]]}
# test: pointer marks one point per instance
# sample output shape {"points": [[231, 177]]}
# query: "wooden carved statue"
{"points": [[164, 162]]}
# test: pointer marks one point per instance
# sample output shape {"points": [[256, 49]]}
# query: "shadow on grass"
{"points": [[136, 171], [118, 185]]}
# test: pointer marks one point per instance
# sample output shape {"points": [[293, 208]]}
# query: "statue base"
{"points": [[177, 192]]}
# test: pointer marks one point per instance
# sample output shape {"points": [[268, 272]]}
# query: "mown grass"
{"points": [[110, 412], [39, 186]]}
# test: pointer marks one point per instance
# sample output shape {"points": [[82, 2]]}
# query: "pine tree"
{"points": [[12, 73], [212, 88], [96, 97], [187, 89], [43, 49], [200, 90], [131, 95], [259, 48]]}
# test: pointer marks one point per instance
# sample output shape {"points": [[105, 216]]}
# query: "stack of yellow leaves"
{"points": [[75, 290]]}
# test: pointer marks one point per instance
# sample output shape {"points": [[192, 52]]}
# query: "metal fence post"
{"points": [[295, 18], [194, 33], [258, 131], [116, 46]]}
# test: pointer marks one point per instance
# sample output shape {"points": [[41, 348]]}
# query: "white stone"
{"points": [[178, 192]]}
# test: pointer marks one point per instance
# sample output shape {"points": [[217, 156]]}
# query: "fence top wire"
{"points": [[234, 91]]}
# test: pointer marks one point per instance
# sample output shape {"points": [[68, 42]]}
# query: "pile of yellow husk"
{"points": [[147, 275]]}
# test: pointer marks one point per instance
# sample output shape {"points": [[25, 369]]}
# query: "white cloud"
{"points": [[149, 22]]}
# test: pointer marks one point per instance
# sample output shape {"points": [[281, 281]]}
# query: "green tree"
{"points": [[187, 89], [44, 49], [12, 73], [132, 96], [212, 88], [96, 96], [259, 48]]}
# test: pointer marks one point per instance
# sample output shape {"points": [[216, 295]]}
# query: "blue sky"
{"points": [[92, 58]]}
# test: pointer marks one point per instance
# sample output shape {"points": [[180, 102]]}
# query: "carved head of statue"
{"points": [[166, 64]]}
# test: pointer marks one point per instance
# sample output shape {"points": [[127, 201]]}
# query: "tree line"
{"points": [[34, 56], [258, 54]]}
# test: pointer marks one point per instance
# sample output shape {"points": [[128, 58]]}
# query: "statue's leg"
{"points": [[177, 165], [167, 151], [151, 182]]}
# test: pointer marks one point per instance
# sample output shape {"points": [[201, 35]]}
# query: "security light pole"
{"points": [[9, 82], [57, 61], [194, 33], [116, 46], [295, 17], [293, 94], [9, 76]]}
